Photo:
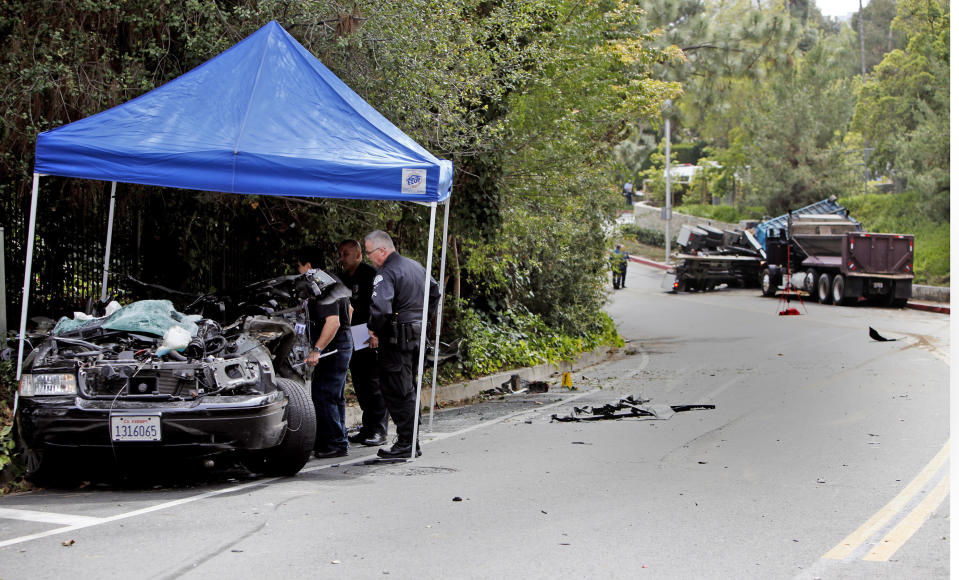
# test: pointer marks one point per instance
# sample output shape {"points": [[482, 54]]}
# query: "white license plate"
{"points": [[878, 285], [135, 427]]}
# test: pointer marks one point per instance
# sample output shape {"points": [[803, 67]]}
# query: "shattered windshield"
{"points": [[154, 317]]}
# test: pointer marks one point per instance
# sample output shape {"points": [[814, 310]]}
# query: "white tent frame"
{"points": [[28, 267]]}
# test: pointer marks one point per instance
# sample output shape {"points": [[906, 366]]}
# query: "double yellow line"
{"points": [[908, 526]]}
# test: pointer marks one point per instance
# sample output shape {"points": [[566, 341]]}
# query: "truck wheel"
{"points": [[824, 289], [768, 283], [289, 457], [838, 288]]}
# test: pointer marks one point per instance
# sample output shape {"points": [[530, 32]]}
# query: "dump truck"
{"points": [[821, 251]]}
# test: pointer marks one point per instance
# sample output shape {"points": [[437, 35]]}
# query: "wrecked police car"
{"points": [[147, 378]]}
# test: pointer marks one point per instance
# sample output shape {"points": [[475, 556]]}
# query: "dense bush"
{"points": [[643, 235], [517, 339], [9, 471]]}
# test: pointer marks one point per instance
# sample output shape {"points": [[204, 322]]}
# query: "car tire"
{"points": [[767, 283], [45, 468], [824, 289], [289, 457]]}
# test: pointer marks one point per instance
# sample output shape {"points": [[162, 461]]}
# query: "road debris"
{"points": [[632, 407], [876, 336], [515, 385]]}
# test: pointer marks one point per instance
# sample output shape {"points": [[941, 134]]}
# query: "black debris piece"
{"points": [[630, 407], [876, 336]]}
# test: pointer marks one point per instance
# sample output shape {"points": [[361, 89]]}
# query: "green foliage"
{"points": [[903, 109], [8, 383], [9, 470], [643, 235], [900, 214], [518, 339], [725, 213]]}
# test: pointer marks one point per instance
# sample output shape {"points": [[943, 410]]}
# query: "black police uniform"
{"points": [[366, 380], [396, 313]]}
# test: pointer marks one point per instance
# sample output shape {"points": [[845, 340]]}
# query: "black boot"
{"points": [[399, 451]]}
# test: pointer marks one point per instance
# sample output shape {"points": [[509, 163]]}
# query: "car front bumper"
{"points": [[213, 423]]}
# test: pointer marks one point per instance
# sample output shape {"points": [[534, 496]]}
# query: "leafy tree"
{"points": [[903, 108], [880, 38], [796, 128]]}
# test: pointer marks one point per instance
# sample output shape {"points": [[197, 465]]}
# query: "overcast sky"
{"points": [[839, 7]]}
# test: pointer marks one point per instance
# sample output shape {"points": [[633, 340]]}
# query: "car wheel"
{"points": [[768, 283], [45, 469], [824, 289], [289, 457]]}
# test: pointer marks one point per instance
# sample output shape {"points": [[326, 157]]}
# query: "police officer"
{"points": [[332, 348], [358, 276], [396, 313]]}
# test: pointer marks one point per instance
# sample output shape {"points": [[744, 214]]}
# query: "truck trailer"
{"points": [[823, 252]]}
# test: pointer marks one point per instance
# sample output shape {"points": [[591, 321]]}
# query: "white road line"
{"points": [[139, 512], [47, 517]]}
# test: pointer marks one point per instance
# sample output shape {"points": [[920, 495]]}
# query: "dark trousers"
{"points": [[399, 392], [328, 384], [619, 278], [366, 385]]}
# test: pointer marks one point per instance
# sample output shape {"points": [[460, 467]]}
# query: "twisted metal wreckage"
{"points": [[632, 406]]}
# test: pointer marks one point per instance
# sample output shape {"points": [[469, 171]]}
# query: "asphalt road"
{"points": [[826, 456]]}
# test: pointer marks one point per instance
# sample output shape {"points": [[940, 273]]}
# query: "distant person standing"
{"points": [[358, 278], [628, 192], [395, 325], [618, 262]]}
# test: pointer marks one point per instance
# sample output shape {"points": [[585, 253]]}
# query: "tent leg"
{"points": [[439, 311], [27, 267], [423, 320], [106, 257]]}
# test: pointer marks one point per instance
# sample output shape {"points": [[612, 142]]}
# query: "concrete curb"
{"points": [[458, 392], [651, 263], [928, 307]]}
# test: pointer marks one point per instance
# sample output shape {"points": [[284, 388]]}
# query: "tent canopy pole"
{"points": [[106, 256], [27, 272], [439, 311], [423, 321]]}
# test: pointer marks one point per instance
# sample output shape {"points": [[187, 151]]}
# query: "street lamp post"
{"points": [[669, 195]]}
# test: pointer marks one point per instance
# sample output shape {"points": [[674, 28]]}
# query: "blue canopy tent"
{"points": [[264, 117]]}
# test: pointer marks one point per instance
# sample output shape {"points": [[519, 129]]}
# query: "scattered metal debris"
{"points": [[632, 406], [516, 385]]}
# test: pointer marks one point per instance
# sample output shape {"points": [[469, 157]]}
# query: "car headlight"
{"points": [[48, 384]]}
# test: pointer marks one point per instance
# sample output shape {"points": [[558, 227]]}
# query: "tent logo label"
{"points": [[414, 181]]}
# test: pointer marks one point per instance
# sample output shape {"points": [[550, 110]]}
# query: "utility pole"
{"points": [[862, 61]]}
